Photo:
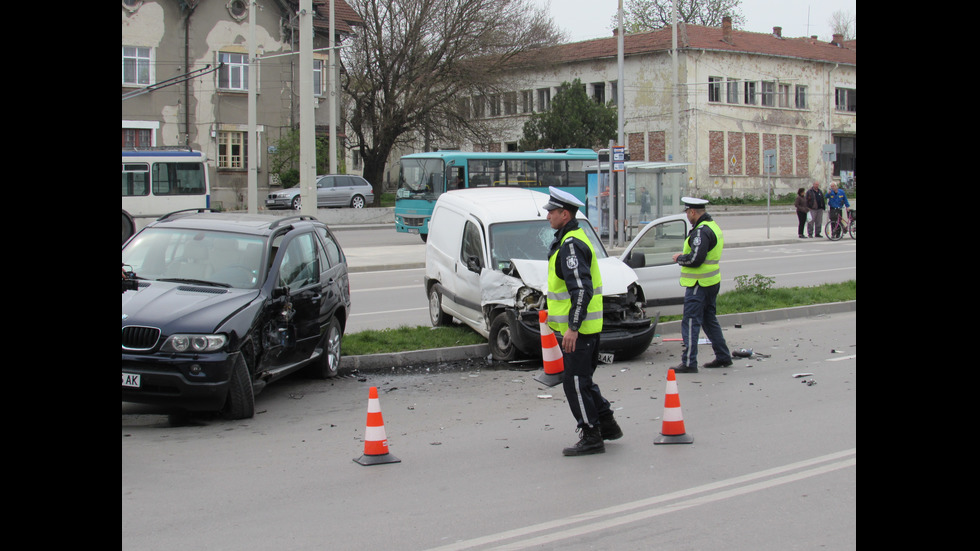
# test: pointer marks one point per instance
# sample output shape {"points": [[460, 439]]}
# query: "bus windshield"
{"points": [[420, 179]]}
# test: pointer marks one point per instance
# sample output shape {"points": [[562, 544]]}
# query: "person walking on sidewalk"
{"points": [[801, 211], [575, 311], [701, 275], [814, 202]]}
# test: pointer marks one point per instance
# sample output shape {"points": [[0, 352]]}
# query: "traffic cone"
{"points": [[672, 430], [375, 441], [554, 364]]}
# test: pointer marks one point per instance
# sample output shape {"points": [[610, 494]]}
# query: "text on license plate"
{"points": [[131, 380]]}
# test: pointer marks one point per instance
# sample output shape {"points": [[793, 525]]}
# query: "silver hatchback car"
{"points": [[332, 190]]}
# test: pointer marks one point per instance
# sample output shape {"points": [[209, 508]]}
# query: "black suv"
{"points": [[216, 305]]}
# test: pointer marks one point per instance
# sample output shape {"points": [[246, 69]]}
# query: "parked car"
{"points": [[332, 190], [486, 265], [651, 254], [224, 303]]}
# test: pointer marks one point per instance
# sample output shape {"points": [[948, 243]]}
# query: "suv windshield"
{"points": [[530, 240], [420, 179], [200, 256]]}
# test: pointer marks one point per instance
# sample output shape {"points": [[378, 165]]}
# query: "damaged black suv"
{"points": [[217, 305]]}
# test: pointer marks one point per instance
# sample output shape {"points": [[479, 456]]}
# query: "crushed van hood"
{"points": [[499, 288]]}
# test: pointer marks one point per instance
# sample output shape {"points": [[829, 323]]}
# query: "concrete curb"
{"points": [[379, 362]]}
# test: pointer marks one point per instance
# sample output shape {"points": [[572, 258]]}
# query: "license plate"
{"points": [[131, 380], [606, 357], [413, 230]]}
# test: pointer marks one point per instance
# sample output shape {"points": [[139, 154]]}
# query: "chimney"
{"points": [[838, 40], [777, 32], [726, 29]]}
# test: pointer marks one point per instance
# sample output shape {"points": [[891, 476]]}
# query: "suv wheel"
{"points": [[328, 364], [240, 403], [436, 315], [501, 339]]}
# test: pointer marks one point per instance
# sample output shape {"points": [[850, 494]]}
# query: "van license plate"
{"points": [[606, 357], [130, 380]]}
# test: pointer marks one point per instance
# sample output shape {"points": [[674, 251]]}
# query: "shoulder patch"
{"points": [[571, 262]]}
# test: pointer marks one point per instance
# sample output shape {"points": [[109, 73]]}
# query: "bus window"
{"points": [[135, 177], [420, 178], [178, 179], [455, 178]]}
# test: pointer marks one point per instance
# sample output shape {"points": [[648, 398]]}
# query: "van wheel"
{"points": [[501, 339], [436, 315]]}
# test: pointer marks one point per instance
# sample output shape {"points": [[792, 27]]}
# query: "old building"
{"points": [[185, 81], [739, 94]]}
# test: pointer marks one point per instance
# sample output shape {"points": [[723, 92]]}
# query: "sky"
{"points": [[586, 19]]}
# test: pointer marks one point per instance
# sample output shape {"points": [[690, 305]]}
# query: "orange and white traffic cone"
{"points": [[375, 441], [672, 430], [554, 364]]}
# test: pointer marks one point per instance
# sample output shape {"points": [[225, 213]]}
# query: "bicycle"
{"points": [[836, 228], [852, 226]]}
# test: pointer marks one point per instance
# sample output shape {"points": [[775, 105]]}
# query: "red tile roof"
{"points": [[344, 16], [698, 37]]}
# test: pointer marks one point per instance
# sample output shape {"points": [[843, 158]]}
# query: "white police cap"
{"points": [[560, 199], [693, 203]]}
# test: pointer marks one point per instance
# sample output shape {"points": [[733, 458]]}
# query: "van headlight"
{"points": [[194, 343], [530, 298]]}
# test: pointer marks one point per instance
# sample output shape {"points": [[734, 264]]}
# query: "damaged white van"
{"points": [[486, 265]]}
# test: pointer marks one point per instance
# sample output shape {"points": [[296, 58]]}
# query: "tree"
{"points": [[650, 15], [413, 63], [572, 120], [844, 23]]}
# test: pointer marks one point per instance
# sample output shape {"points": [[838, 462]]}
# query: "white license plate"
{"points": [[413, 230], [130, 380], [606, 357]]}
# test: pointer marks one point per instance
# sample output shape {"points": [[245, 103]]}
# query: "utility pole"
{"points": [[333, 94], [252, 195], [307, 145]]}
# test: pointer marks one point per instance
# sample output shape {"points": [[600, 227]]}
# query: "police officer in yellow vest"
{"points": [[701, 275], [575, 313]]}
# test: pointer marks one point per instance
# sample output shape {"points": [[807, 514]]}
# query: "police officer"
{"points": [[575, 312], [701, 275]]}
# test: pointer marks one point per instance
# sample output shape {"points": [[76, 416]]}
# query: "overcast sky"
{"points": [[585, 19]]}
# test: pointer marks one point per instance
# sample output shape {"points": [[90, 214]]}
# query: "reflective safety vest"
{"points": [[708, 273], [559, 299]]}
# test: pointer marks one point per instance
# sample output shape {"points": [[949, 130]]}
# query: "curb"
{"points": [[378, 362]]}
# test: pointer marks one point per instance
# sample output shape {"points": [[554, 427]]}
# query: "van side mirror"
{"points": [[473, 264], [635, 260]]}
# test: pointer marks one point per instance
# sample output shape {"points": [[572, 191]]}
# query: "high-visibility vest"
{"points": [[709, 272], [559, 299]]}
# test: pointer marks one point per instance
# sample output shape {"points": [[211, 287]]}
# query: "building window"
{"points": [[801, 97], [544, 99], [732, 85], [232, 147], [510, 103], [599, 92], [233, 75], [135, 138], [318, 71], [784, 95], [714, 89], [846, 100], [769, 94], [614, 92], [495, 105], [749, 93], [527, 101], [136, 66], [479, 107]]}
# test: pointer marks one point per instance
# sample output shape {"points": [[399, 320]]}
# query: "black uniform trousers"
{"points": [[584, 398]]}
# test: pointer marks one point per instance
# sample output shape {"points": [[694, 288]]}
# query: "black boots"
{"points": [[590, 442], [610, 428]]}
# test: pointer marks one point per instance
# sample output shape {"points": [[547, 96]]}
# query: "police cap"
{"points": [[560, 199], [694, 203]]}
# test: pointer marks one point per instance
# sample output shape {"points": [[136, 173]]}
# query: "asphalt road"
{"points": [[772, 465]]}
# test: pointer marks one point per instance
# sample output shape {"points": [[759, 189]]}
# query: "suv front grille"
{"points": [[135, 337]]}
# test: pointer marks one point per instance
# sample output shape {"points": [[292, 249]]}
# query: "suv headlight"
{"points": [[194, 343]]}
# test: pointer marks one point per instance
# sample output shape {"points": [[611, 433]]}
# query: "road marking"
{"points": [[609, 517]]}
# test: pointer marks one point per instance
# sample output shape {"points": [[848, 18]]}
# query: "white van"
{"points": [[486, 264]]}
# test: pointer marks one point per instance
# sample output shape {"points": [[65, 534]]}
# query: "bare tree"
{"points": [[413, 64], [650, 15], [844, 23]]}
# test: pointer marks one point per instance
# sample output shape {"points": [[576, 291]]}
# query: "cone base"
{"points": [[377, 459], [549, 379], [674, 439]]}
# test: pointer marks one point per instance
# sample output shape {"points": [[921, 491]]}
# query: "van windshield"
{"points": [[530, 240]]}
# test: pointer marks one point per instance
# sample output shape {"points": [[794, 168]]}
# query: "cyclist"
{"points": [[836, 199]]}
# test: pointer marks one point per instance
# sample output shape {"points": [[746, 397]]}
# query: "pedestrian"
{"points": [[575, 313], [701, 275], [836, 200], [644, 204], [814, 202], [801, 211]]}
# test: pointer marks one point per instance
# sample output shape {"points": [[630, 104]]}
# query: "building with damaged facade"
{"points": [[185, 81]]}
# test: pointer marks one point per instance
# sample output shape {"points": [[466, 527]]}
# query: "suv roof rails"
{"points": [[197, 211], [284, 219]]}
